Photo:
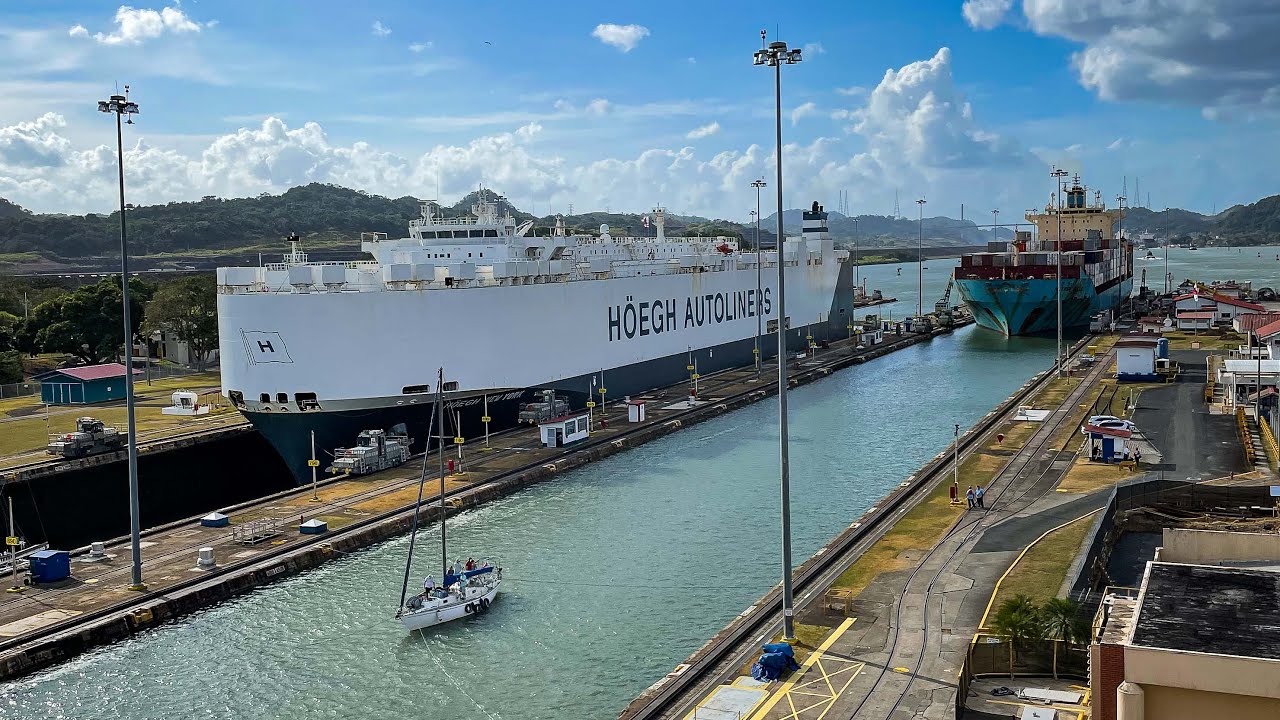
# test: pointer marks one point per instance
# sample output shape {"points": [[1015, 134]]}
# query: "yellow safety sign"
{"points": [[313, 463], [590, 403], [484, 419], [457, 441], [686, 367], [602, 391], [11, 541], [695, 375]]}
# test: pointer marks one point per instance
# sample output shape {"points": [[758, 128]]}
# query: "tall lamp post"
{"points": [[1120, 229], [123, 109], [775, 55], [758, 184], [1168, 282], [1058, 174], [857, 280], [920, 262], [995, 225]]}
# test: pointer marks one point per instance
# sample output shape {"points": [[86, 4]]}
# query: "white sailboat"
{"points": [[464, 589]]}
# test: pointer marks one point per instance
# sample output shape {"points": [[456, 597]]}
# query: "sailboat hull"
{"points": [[437, 614]]}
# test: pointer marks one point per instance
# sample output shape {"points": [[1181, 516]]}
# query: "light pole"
{"points": [[857, 281], [758, 184], [123, 108], [920, 262], [1058, 174], [1167, 279], [775, 55], [955, 478], [1120, 231], [995, 225]]}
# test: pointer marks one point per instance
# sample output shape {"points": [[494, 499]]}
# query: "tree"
{"points": [[10, 367], [1017, 620], [187, 309], [1062, 620], [86, 323], [9, 325]]}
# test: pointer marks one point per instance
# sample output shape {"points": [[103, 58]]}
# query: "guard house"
{"points": [[561, 431], [83, 385], [1136, 358], [1107, 444]]}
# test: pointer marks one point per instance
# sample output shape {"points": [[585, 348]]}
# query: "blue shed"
{"points": [[83, 385]]}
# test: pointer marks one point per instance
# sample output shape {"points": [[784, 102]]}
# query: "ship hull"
{"points": [[1029, 306], [291, 433], [370, 359]]}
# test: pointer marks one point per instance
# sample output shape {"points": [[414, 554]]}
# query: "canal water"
{"points": [[615, 572]]}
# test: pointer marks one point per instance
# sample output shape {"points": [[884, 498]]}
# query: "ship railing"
{"points": [[423, 222], [348, 264]]}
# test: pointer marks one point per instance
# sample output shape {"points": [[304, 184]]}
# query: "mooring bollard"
{"points": [[205, 560]]}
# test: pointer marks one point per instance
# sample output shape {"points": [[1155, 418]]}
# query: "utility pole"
{"points": [[920, 263], [776, 54], [315, 489], [121, 107], [758, 184], [1058, 174]]}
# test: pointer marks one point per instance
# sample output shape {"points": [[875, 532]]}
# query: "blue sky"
{"points": [[634, 104]]}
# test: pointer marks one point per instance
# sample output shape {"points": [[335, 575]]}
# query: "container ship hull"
{"points": [[1027, 307]]}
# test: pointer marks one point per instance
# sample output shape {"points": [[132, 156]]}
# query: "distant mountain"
{"points": [[333, 217], [886, 232], [9, 209]]}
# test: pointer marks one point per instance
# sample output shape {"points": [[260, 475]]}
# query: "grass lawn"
{"points": [[1220, 341], [1086, 476], [157, 394], [31, 433], [1040, 572]]}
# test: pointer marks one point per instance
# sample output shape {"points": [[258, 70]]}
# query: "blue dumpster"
{"points": [[50, 566]]}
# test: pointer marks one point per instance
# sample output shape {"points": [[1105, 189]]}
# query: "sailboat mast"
{"points": [[417, 508], [444, 548]]}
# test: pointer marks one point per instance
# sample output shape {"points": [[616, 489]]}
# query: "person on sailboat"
{"points": [[429, 584]]}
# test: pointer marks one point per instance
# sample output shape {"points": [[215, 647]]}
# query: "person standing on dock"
{"points": [[971, 497], [977, 495]]}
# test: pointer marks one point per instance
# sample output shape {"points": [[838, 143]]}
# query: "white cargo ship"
{"points": [[341, 347]]}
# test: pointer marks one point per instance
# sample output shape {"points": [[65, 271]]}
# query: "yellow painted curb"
{"points": [[983, 623]]}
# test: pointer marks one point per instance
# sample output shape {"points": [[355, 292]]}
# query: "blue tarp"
{"points": [[776, 659], [478, 571]]}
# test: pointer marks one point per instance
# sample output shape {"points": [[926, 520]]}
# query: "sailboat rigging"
{"points": [[465, 589]]}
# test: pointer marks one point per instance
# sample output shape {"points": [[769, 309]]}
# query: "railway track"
{"points": [[708, 385], [721, 660], [964, 531]]}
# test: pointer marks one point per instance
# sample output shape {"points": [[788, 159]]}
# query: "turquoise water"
{"points": [[615, 572]]}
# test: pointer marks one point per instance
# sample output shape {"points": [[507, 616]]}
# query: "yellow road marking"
{"points": [[802, 688]]}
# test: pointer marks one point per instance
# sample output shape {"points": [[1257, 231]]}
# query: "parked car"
{"points": [[1111, 422]]}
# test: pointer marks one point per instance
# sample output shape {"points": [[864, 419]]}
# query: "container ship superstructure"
{"points": [[335, 348], [1013, 287]]}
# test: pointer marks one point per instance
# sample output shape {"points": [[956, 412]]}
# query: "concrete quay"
{"points": [[44, 625], [899, 650]]}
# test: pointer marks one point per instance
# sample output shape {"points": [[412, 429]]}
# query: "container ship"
{"points": [[335, 348], [1013, 287]]}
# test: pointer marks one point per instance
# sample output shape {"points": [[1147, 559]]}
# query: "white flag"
{"points": [[644, 220]]}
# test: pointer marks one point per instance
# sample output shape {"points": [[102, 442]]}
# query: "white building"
{"points": [[1225, 308], [1196, 319], [1136, 358]]}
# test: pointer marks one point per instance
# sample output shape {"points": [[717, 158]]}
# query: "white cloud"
{"points": [[814, 48], [420, 46], [918, 134], [134, 26], [1119, 144], [1219, 56], [623, 37], [34, 144], [851, 91], [842, 114], [803, 111], [986, 14], [380, 30], [692, 61], [705, 131], [917, 114]]}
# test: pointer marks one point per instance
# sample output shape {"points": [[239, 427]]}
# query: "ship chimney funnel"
{"points": [[660, 222]]}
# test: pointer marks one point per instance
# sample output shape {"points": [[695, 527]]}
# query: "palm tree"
{"points": [[1017, 620], [1062, 621]]}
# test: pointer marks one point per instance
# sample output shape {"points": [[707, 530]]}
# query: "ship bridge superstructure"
{"points": [[489, 248]]}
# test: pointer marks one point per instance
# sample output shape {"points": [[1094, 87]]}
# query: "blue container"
{"points": [[1162, 348], [50, 566]]}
